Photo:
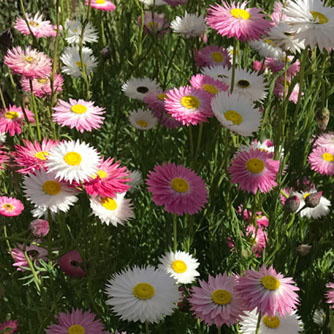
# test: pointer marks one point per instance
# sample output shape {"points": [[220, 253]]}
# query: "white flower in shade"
{"points": [[238, 55], [180, 265], [136, 180], [319, 317], [190, 25], [290, 324], [236, 113], [47, 192], [72, 62], [219, 72], [144, 294], [113, 211], [143, 119], [74, 30], [2, 137], [153, 2], [267, 48], [138, 88], [73, 161]]}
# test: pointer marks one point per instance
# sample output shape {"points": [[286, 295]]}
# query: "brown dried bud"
{"points": [[312, 200], [303, 249], [106, 53], [322, 118], [292, 204]]}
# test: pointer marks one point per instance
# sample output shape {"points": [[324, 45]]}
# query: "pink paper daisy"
{"points": [[4, 158], [157, 24], [28, 62], [32, 155], [279, 91], [111, 178], [9, 327], [330, 294], [70, 264], [208, 84], [78, 114], [245, 24], [155, 100], [34, 253], [175, 2], [277, 16], [247, 215], [326, 139], [258, 238], [76, 322], [188, 105], [216, 301], [212, 55], [268, 291], [102, 5], [10, 207], [177, 188], [12, 119], [278, 65], [253, 170], [39, 227], [322, 160]]}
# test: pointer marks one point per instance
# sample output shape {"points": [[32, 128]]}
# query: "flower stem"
{"points": [[36, 279], [3, 100], [258, 324], [175, 231], [233, 64], [7, 241], [35, 111], [147, 330], [331, 321], [219, 330]]}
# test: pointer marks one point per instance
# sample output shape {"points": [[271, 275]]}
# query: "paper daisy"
{"points": [[70, 264], [270, 293], [143, 119], [177, 188], [117, 210], [144, 294], [254, 170], [79, 114], [76, 322], [155, 100], [34, 253], [176, 2], [279, 91], [258, 239], [74, 31], [219, 72], [326, 139], [190, 25], [39, 227], [9, 327], [322, 160], [267, 48], [156, 24], [236, 113], [330, 294], [212, 55], [153, 2], [216, 301], [188, 105], [237, 21], [136, 180], [28, 62], [138, 88], [102, 5], [72, 63], [73, 161], [180, 265], [319, 317], [208, 84], [10, 207]]}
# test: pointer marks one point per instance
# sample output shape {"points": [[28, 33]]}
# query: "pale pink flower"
{"points": [[277, 16], [330, 294], [258, 238], [39, 227], [208, 84], [105, 5], [34, 253], [326, 139], [279, 91], [212, 55], [158, 24], [9, 327], [321, 160]]}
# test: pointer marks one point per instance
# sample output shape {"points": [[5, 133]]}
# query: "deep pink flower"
{"points": [[322, 160], [248, 216], [9, 327], [102, 5], [212, 55], [4, 157], [278, 65], [10, 207], [330, 294], [70, 264], [258, 238], [34, 252], [39, 227]]}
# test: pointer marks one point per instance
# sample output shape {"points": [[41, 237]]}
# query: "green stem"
{"points": [[147, 330], [331, 321], [27, 23], [258, 323], [233, 63], [3, 100], [191, 140], [175, 231], [198, 142], [35, 111], [7, 241], [219, 330], [31, 266]]}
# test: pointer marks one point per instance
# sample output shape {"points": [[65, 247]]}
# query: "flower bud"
{"points": [[106, 53], [39, 227], [312, 200], [70, 263], [322, 118], [303, 249], [292, 204]]}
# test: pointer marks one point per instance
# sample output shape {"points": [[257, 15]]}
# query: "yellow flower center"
{"points": [[217, 57], [33, 24], [270, 282], [179, 266], [233, 116], [270, 42], [240, 14], [328, 157], [79, 109], [243, 84], [210, 89], [190, 102], [100, 2], [102, 174], [305, 195], [142, 123], [143, 291], [29, 59], [76, 329], [109, 203], [162, 96], [41, 155], [271, 322], [12, 115], [8, 206], [255, 165], [51, 187], [72, 158], [42, 80], [180, 185], [153, 25], [79, 64], [318, 17], [221, 297]]}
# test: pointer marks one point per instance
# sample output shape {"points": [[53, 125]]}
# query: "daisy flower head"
{"points": [[9, 327], [142, 294], [177, 188], [190, 25], [271, 293], [73, 161], [267, 48], [254, 170], [212, 55], [79, 114], [28, 62], [70, 264], [236, 114], [10, 207], [319, 317], [136, 180], [78, 321], [326, 139], [277, 65], [155, 100], [149, 3], [139, 88], [143, 119], [180, 265], [188, 105], [258, 239], [117, 210], [266, 145], [72, 63], [237, 21], [208, 84], [279, 91], [216, 301], [34, 253], [156, 24], [218, 72], [105, 5], [277, 16], [321, 160], [330, 294], [74, 31]]}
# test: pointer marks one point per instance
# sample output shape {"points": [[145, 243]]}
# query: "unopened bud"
{"points": [[292, 204], [303, 249], [322, 118], [106, 53], [6, 39], [312, 200]]}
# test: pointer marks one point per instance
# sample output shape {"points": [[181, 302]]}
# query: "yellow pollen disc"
{"points": [[143, 291], [78, 64], [100, 2], [42, 80], [328, 157], [41, 155], [221, 297], [162, 96], [179, 266], [79, 109], [109, 203], [8, 206], [240, 14], [51, 187], [190, 102], [318, 17], [306, 194], [76, 329], [233, 116], [270, 282], [72, 158], [142, 123], [243, 84], [180, 185], [33, 24], [102, 174], [29, 59], [153, 25], [255, 165], [210, 89], [270, 42], [12, 115], [217, 57], [271, 322]]}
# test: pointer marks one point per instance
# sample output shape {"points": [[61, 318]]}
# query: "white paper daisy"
{"points": [[267, 48], [180, 265], [113, 211], [236, 113], [2, 137], [143, 119], [218, 72], [190, 25], [151, 2], [74, 30], [230, 50], [144, 294], [319, 317], [138, 88], [73, 161], [136, 180]]}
